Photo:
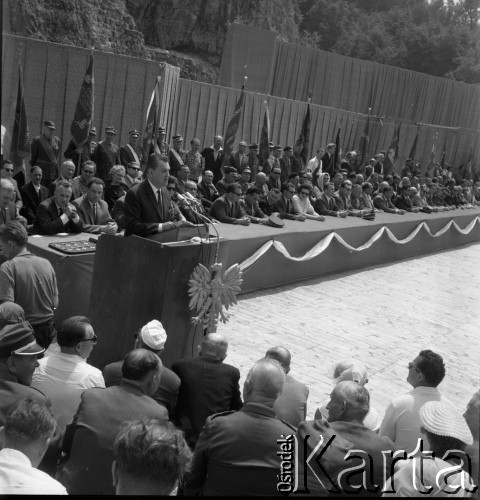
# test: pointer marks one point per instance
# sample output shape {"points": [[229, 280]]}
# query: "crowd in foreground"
{"points": [[137, 427], [117, 188]]}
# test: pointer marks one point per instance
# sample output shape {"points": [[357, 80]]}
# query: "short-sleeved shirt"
{"points": [[30, 281]]}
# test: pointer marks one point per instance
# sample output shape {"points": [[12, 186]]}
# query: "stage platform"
{"points": [[275, 256]]}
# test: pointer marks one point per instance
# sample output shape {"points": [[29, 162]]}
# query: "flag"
{"points": [[264, 150], [392, 153], [304, 137], [365, 141], [432, 153], [233, 127], [20, 145], [82, 119], [151, 123], [469, 168], [337, 151], [414, 146]]}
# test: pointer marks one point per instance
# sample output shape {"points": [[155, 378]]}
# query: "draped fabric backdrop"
{"points": [[53, 74]]}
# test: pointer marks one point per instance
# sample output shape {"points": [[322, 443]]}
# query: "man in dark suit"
{"points": [[284, 205], [94, 211], [176, 155], [33, 193], [8, 209], [88, 440], [151, 337], [106, 154], [133, 174], [207, 386], [227, 208], [328, 160], [286, 163], [148, 206], [207, 192], [44, 152], [291, 405], [239, 159], [56, 214], [213, 158], [238, 453], [67, 171], [131, 152], [326, 204]]}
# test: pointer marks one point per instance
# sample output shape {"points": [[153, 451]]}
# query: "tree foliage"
{"points": [[438, 37]]}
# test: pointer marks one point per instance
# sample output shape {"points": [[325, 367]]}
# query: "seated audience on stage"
{"points": [[403, 200], [359, 179], [64, 375], [80, 183], [227, 208], [183, 175], [8, 209], [229, 177], [206, 190], [383, 200], [337, 180], [269, 204], [57, 214], [94, 211], [193, 160], [260, 183], [151, 337], [238, 452], [244, 179], [191, 195], [367, 190], [284, 205], [6, 172], [302, 205], [323, 180], [358, 203], [88, 440], [133, 174], [116, 188], [28, 280], [343, 200], [118, 212], [351, 370], [273, 180], [401, 422], [67, 171], [294, 179], [148, 205], [25, 436], [251, 206], [445, 431], [150, 457], [326, 204], [11, 314], [291, 405], [33, 193], [208, 386]]}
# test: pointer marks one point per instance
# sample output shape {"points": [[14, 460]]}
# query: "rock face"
{"points": [[201, 25], [104, 25]]}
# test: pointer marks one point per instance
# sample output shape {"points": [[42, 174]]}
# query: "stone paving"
{"points": [[381, 315]]}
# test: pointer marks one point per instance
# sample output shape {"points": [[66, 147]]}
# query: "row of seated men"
{"points": [[239, 446]]}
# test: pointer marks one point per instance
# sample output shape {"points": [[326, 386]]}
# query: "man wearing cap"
{"points": [[239, 159], [64, 375], [213, 158], [206, 190], [162, 146], [245, 179], [88, 440], [152, 337], [148, 205], [83, 153], [229, 177], [93, 210], [67, 171], [80, 183], [253, 159], [107, 154], [44, 152], [131, 152], [383, 200], [29, 281], [176, 155]]}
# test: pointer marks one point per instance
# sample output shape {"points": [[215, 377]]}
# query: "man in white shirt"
{"points": [[64, 375], [26, 436], [401, 422]]}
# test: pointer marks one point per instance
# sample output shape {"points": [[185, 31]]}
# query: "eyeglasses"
{"points": [[291, 192], [93, 339], [277, 173], [304, 193], [171, 188], [8, 169], [133, 168]]}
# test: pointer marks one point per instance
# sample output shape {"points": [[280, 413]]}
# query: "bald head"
{"points": [[215, 345], [264, 380], [349, 401], [281, 355]]}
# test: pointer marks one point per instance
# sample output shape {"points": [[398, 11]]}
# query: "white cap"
{"points": [[153, 335]]}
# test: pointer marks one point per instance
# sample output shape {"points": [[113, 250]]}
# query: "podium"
{"points": [[136, 280], [181, 234]]}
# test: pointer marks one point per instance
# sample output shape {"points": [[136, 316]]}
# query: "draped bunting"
{"points": [[323, 244]]}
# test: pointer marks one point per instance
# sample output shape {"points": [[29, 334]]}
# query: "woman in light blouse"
{"points": [[302, 205]]}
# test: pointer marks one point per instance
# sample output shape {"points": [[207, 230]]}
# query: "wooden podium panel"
{"points": [[136, 280]]}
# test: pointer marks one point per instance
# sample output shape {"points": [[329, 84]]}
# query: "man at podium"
{"points": [[148, 206]]}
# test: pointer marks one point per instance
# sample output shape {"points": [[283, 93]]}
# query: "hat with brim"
{"points": [[177, 137], [134, 133], [110, 130], [18, 340], [49, 124], [275, 221], [242, 143], [161, 130], [230, 170], [93, 131], [253, 146], [153, 335], [443, 419]]}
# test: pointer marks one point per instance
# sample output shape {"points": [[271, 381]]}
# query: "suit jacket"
{"points": [[208, 193], [239, 163], [274, 182], [47, 220], [31, 200], [382, 204], [324, 206], [166, 393], [224, 211], [291, 405], [286, 168], [207, 386], [88, 440], [142, 212], [237, 453], [129, 183], [126, 155], [378, 168], [85, 211], [281, 207], [328, 166], [214, 165], [105, 161], [11, 213], [38, 156], [118, 212]]}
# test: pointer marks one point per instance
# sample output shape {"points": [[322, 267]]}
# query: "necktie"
{"points": [[160, 202], [60, 211], [94, 213], [4, 215]]}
